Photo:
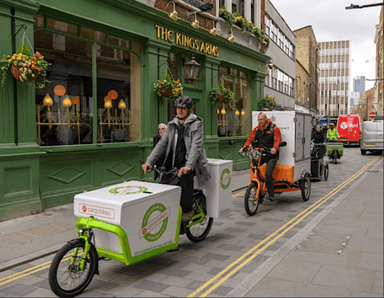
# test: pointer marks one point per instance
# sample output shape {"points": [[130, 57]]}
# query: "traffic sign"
{"points": [[372, 115]]}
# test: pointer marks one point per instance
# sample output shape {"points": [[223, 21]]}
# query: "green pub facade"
{"points": [[94, 121]]}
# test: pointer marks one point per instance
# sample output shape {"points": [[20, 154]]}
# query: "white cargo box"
{"points": [[148, 213], [218, 189], [296, 128]]}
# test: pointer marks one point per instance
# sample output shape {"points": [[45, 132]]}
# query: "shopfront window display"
{"points": [[232, 120], [68, 109]]}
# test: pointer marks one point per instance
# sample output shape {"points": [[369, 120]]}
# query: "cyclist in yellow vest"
{"points": [[332, 133]]}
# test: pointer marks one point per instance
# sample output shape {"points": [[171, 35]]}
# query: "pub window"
{"points": [[232, 119], [67, 109]]}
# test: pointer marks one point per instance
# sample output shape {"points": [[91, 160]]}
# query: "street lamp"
{"points": [[354, 6]]}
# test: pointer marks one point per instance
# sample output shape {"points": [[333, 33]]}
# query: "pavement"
{"points": [[339, 252]]}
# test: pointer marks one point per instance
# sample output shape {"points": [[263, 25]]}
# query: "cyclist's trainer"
{"points": [[267, 135], [183, 145]]}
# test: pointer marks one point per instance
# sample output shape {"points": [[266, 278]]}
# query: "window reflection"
{"points": [[64, 108], [68, 120], [225, 112]]}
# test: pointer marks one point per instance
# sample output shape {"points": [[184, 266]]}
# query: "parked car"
{"points": [[372, 137], [349, 128]]}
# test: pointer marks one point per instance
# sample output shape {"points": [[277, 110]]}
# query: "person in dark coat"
{"points": [[318, 137], [161, 129], [267, 135]]}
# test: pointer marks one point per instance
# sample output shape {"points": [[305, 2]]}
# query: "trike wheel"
{"points": [[199, 231], [250, 202], [66, 279], [326, 172], [305, 188]]}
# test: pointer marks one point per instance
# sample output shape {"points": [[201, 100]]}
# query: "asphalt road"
{"points": [[236, 246]]}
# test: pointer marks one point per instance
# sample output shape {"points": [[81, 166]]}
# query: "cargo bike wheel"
{"points": [[250, 202], [66, 278], [326, 172], [306, 188], [200, 230]]}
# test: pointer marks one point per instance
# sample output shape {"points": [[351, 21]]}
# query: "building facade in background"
{"points": [[280, 79], [335, 62], [379, 84], [365, 103], [359, 85], [307, 69]]}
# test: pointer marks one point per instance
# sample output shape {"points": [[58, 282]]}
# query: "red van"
{"points": [[349, 128]]}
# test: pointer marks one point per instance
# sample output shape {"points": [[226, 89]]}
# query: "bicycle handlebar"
{"points": [[161, 171]]}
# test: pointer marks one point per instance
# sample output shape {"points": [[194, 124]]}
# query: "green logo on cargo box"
{"points": [[128, 190], [225, 178], [151, 221]]}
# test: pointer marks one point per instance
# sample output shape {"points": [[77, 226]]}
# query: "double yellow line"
{"points": [[240, 262], [256, 250], [29, 271]]}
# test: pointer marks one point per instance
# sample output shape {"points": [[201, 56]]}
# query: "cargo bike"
{"points": [[319, 167], [334, 150], [292, 171], [132, 221]]}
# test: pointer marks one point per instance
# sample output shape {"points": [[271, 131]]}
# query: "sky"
{"points": [[330, 21]]}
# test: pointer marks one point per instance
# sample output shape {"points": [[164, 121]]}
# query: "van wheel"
{"points": [[363, 152]]}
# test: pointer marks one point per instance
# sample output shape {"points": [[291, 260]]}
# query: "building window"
{"points": [[232, 119], [76, 110]]}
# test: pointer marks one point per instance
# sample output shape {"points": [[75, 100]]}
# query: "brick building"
{"points": [[307, 62]]}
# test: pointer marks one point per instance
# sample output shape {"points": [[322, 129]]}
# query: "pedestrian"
{"points": [[161, 130]]}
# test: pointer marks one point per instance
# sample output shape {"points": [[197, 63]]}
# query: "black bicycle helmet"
{"points": [[184, 102]]}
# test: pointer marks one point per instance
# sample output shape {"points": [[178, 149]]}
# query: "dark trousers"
{"points": [[186, 183], [186, 199], [271, 163]]}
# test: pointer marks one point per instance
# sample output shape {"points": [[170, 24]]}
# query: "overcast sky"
{"points": [[331, 21]]}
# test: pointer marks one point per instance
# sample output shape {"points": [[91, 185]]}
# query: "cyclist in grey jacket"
{"points": [[184, 149]]}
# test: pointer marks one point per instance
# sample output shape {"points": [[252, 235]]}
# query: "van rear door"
{"points": [[349, 129]]}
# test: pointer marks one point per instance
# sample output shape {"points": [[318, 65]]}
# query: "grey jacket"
{"points": [[193, 138]]}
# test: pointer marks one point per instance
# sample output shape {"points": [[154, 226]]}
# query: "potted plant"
{"points": [[221, 95], [31, 69], [168, 88], [267, 103]]}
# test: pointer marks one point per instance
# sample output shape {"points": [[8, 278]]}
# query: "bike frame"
{"points": [[261, 180], [84, 227]]}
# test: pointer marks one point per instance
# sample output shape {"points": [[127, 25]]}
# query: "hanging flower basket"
{"points": [[168, 88], [25, 68], [18, 74], [267, 103], [221, 95]]}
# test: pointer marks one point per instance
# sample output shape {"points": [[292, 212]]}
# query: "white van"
{"points": [[372, 136]]}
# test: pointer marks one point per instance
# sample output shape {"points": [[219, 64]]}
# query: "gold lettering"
{"points": [[215, 51], [164, 34], [196, 47], [170, 33], [188, 42], [202, 47], [208, 49], [158, 30], [178, 40]]}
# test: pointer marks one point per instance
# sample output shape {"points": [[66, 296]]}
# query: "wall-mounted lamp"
{"points": [[231, 38], [172, 14], [195, 24], [213, 31], [191, 70]]}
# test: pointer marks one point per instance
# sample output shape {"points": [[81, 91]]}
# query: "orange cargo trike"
{"points": [[292, 171]]}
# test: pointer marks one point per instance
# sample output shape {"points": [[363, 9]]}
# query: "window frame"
{"points": [[96, 45]]}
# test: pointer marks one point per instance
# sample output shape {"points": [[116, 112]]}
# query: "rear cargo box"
{"points": [[296, 130], [148, 213]]}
